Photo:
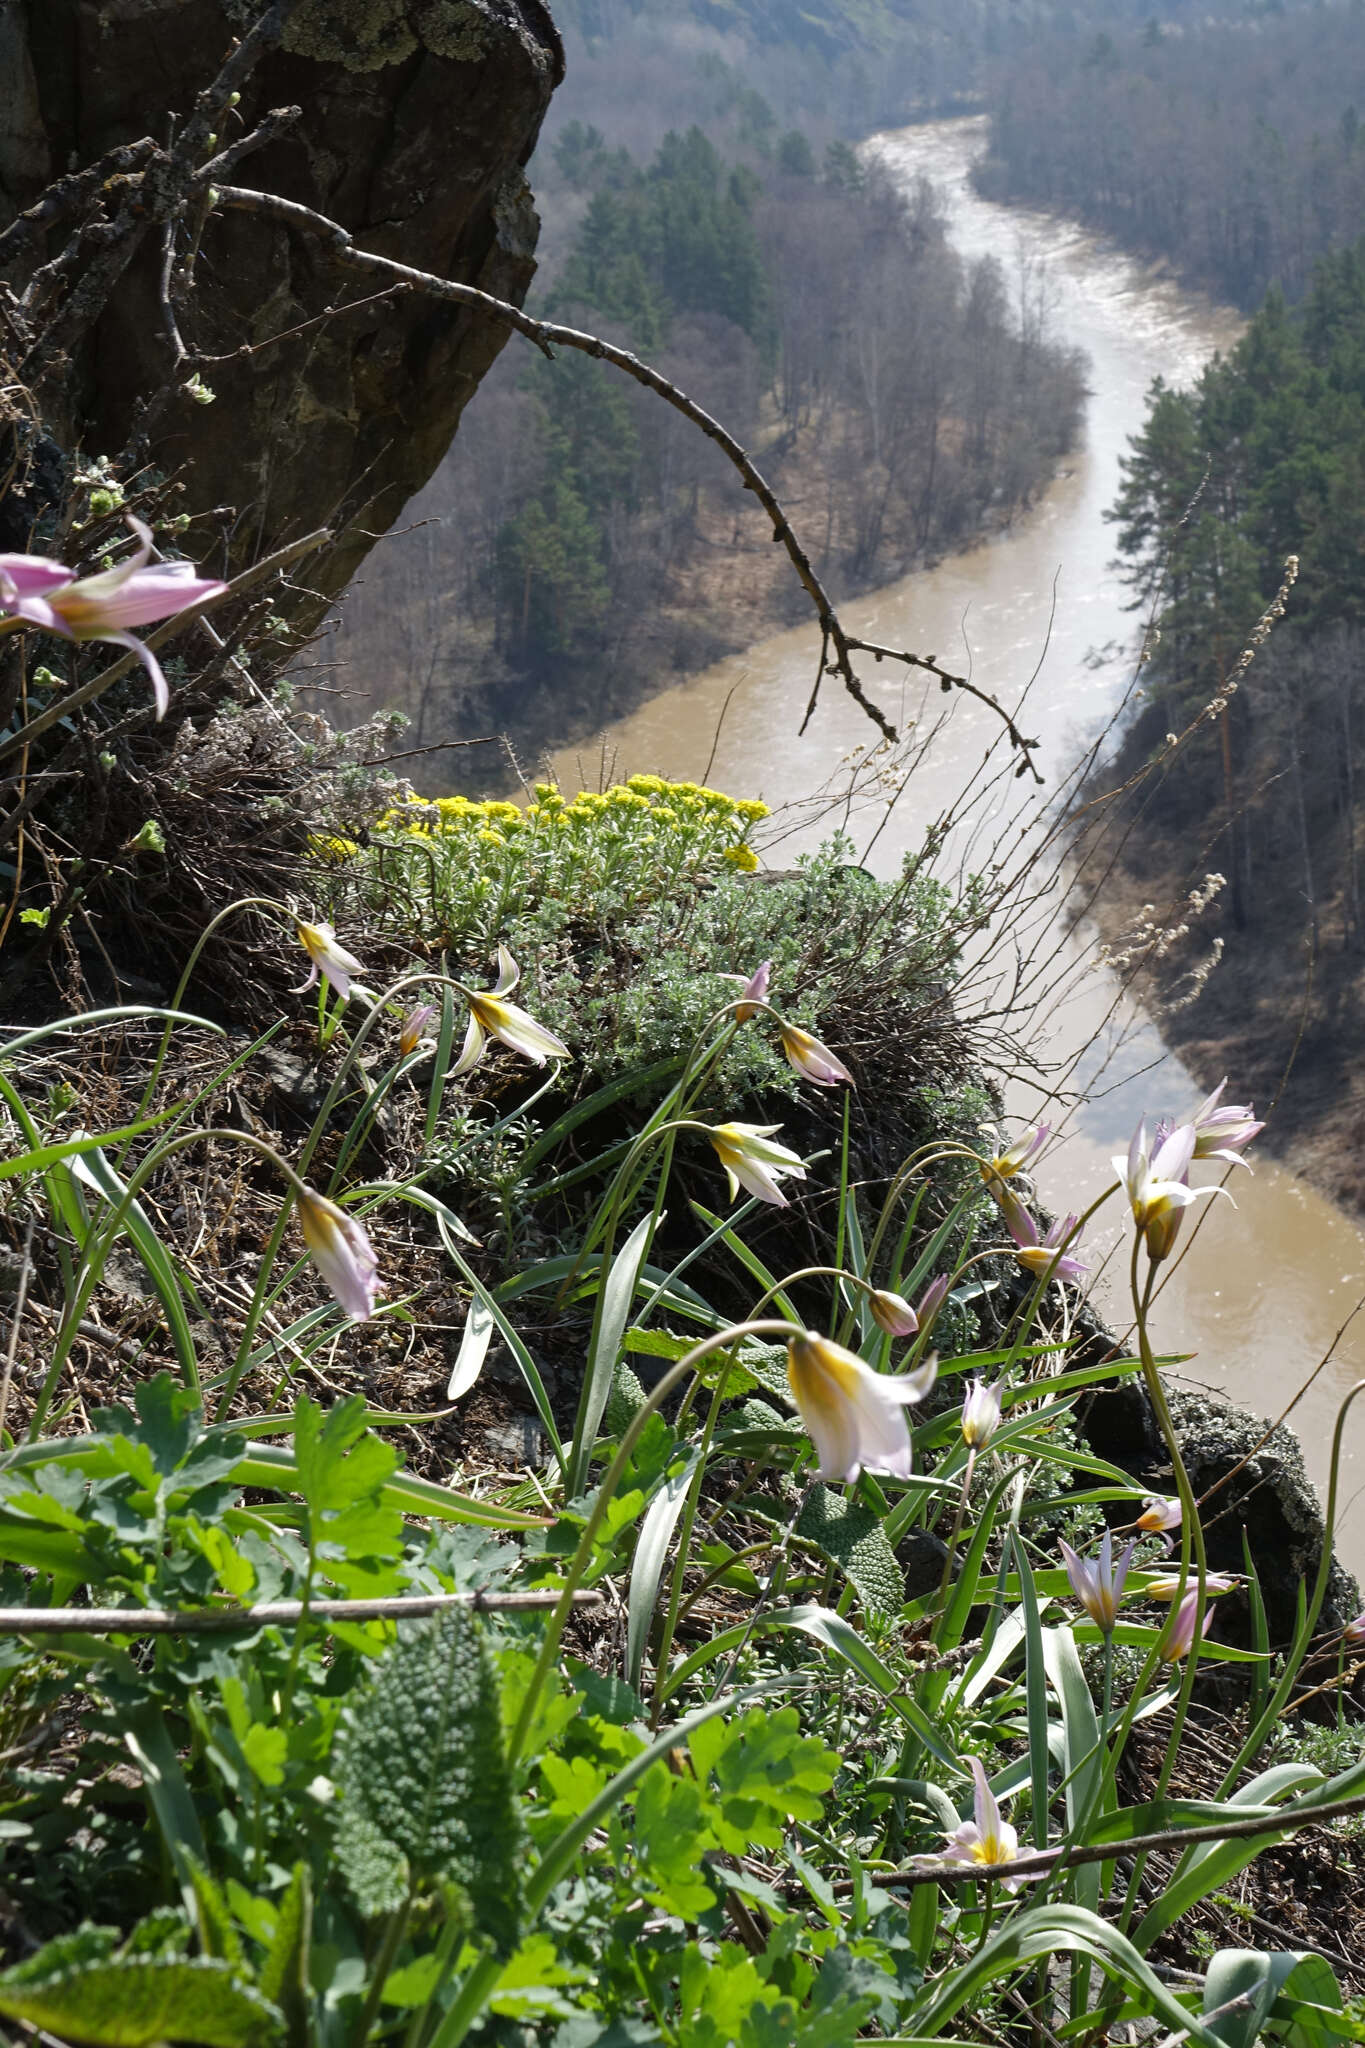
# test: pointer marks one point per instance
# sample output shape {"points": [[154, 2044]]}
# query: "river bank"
{"points": [[1257, 1304], [727, 588]]}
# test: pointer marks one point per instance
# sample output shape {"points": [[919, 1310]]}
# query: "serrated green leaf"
{"points": [[218, 1934], [137, 2001], [852, 1537], [767, 1772], [426, 1792]]}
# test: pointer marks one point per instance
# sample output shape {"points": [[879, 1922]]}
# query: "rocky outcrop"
{"points": [[1252, 1482], [417, 117]]}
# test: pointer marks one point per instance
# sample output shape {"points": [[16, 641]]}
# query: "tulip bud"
{"points": [[981, 1413], [892, 1313]]}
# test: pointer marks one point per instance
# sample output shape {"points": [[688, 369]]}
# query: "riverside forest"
{"points": [[680, 949]]}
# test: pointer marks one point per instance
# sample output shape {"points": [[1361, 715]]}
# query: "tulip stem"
{"points": [[1191, 1538], [100, 1243], [841, 1318], [579, 1562], [959, 1518]]}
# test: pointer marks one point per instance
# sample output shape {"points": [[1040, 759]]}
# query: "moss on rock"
{"points": [[360, 35]]}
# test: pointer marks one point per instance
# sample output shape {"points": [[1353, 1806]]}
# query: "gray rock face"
{"points": [[417, 119], [1260, 1488]]}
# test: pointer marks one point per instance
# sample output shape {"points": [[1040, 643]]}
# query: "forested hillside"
{"points": [[853, 64], [582, 539], [1263, 460], [1232, 148]]}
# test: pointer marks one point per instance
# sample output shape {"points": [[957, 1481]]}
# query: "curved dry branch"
{"points": [[837, 647]]}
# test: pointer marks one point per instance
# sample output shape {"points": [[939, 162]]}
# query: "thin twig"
{"points": [[171, 1621], [1040, 1862], [547, 336], [20, 1297]]}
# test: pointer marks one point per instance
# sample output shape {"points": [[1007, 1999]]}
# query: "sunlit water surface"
{"points": [[1263, 1290]]}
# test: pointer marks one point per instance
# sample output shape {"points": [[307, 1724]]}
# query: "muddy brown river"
{"points": [[1039, 613]]}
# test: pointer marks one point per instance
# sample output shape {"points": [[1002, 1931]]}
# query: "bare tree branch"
{"points": [[547, 336], [70, 194], [172, 1621], [1042, 1862]]}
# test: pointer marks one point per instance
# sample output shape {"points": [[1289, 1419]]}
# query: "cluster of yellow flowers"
{"points": [[644, 800]]}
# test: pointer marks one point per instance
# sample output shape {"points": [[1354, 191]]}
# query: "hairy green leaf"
{"points": [[852, 1536], [136, 2001], [426, 1792]]}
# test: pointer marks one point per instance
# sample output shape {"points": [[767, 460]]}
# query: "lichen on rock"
{"points": [[457, 29], [365, 35], [361, 35]]}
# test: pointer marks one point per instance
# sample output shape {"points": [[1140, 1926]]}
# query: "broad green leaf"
{"points": [[852, 1536], [1249, 1982], [426, 1792], [138, 2001]]}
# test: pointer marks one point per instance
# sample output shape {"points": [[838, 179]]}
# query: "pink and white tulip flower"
{"points": [[1158, 1514], [812, 1060], [931, 1301], [753, 993], [752, 1162], [1039, 1254], [36, 591], [329, 959], [1221, 1130], [1170, 1585], [856, 1417], [341, 1251], [491, 1015], [1177, 1638], [1098, 1584], [1004, 1165], [892, 1313], [1354, 1632], [986, 1842], [1157, 1185]]}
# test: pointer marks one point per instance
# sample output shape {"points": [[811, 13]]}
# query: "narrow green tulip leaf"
{"points": [[1081, 1734], [480, 1323], [651, 1552], [613, 1313]]}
